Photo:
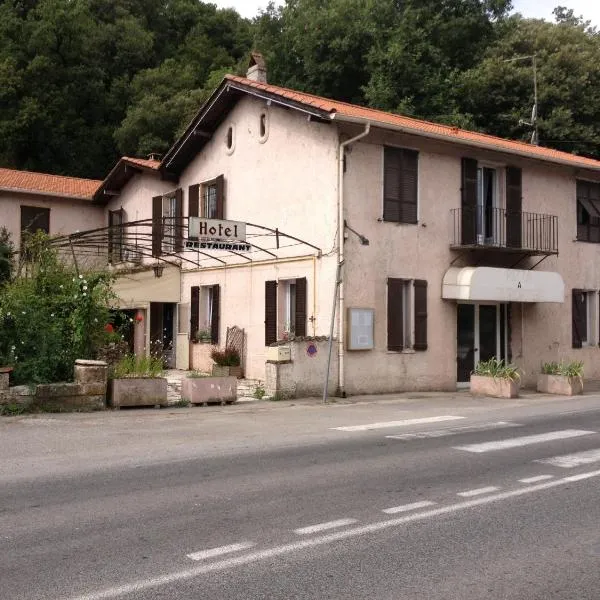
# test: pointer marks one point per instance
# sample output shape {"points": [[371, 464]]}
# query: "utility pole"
{"points": [[533, 124]]}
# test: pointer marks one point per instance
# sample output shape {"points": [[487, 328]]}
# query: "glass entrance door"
{"points": [[480, 335]]}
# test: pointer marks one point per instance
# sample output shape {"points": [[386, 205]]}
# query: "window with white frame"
{"points": [[209, 200], [169, 204], [407, 314]]}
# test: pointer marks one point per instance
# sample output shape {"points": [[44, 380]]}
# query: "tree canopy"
{"points": [[84, 81]]}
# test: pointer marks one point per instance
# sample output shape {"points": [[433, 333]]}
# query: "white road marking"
{"points": [[524, 441], [568, 461], [478, 491], [437, 433], [330, 538], [324, 526], [405, 423], [406, 507], [536, 478], [212, 552]]}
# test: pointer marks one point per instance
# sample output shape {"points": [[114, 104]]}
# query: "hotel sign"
{"points": [[215, 234]]}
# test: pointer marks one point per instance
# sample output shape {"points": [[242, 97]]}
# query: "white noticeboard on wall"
{"points": [[360, 328]]}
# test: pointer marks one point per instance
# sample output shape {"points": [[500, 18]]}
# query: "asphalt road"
{"points": [[390, 501]]}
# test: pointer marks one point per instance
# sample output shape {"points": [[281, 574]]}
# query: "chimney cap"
{"points": [[256, 58], [257, 68]]}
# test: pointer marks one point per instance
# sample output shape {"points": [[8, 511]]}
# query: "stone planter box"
{"points": [[494, 386], [202, 390], [138, 391], [218, 371], [561, 385]]}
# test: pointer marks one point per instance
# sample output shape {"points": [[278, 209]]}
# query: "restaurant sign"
{"points": [[216, 234]]}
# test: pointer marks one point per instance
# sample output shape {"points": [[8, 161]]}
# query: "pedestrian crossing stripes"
{"points": [[568, 461], [527, 440]]}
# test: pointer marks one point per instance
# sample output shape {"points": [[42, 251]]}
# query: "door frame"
{"points": [[500, 306]]}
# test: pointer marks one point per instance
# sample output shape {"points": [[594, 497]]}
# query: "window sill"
{"points": [[382, 220], [586, 241], [407, 351]]}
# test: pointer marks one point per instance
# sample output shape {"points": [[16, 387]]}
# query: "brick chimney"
{"points": [[257, 69]]}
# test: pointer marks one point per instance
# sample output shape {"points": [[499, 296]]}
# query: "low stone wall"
{"points": [[88, 392], [304, 374]]}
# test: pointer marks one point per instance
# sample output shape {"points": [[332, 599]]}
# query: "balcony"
{"points": [[482, 228]]}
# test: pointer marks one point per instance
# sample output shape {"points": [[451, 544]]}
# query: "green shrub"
{"points": [[132, 366], [497, 369], [571, 369], [50, 315], [197, 375], [259, 392], [228, 357]]}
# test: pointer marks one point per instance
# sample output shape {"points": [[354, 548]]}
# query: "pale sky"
{"points": [[542, 9]]}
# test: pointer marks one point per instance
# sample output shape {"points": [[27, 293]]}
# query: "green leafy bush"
{"points": [[50, 315], [571, 369], [132, 366], [228, 357], [497, 369]]}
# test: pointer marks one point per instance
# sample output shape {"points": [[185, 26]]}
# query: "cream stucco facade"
{"points": [[284, 169]]}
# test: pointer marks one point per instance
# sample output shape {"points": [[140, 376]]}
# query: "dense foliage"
{"points": [[51, 316], [127, 75]]}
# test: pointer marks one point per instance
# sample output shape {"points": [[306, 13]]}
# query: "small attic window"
{"points": [[263, 127], [230, 140]]}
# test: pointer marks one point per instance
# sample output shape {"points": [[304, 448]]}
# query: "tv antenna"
{"points": [[533, 123]]}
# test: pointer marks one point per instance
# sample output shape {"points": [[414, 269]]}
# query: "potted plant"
{"points": [[202, 336], [201, 388], [137, 381], [227, 362], [495, 378], [561, 379]]}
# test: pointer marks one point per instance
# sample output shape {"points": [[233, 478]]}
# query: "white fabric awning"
{"points": [[502, 285]]}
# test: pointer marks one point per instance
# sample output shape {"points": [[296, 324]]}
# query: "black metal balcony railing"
{"points": [[482, 227]]}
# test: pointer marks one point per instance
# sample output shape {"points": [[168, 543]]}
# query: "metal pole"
{"points": [[330, 346], [536, 138]]}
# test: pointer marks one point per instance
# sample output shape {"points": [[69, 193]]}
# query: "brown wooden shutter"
{"points": [[392, 161], [157, 228], [178, 220], [194, 200], [270, 312], [420, 315], [409, 186], [514, 206], [395, 313], [400, 185], [300, 307], [220, 182], [469, 202], [215, 317], [194, 311], [577, 308], [111, 235]]}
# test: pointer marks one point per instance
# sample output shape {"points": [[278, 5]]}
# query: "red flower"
{"points": [[139, 317], [109, 328]]}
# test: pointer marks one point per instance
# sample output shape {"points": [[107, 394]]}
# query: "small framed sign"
{"points": [[361, 328]]}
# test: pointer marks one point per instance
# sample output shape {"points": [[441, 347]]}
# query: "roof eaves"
{"points": [[34, 192], [570, 162]]}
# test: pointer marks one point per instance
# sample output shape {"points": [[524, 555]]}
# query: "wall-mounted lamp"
{"points": [[158, 270], [363, 240]]}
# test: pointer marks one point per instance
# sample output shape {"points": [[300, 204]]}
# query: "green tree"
{"points": [[497, 94]]}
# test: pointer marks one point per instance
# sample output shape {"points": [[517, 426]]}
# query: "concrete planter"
{"points": [[561, 385], [219, 371], [494, 386], [138, 391], [202, 390]]}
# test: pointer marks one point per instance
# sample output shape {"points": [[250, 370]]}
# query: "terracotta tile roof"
{"points": [[418, 127], [42, 183], [143, 162]]}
